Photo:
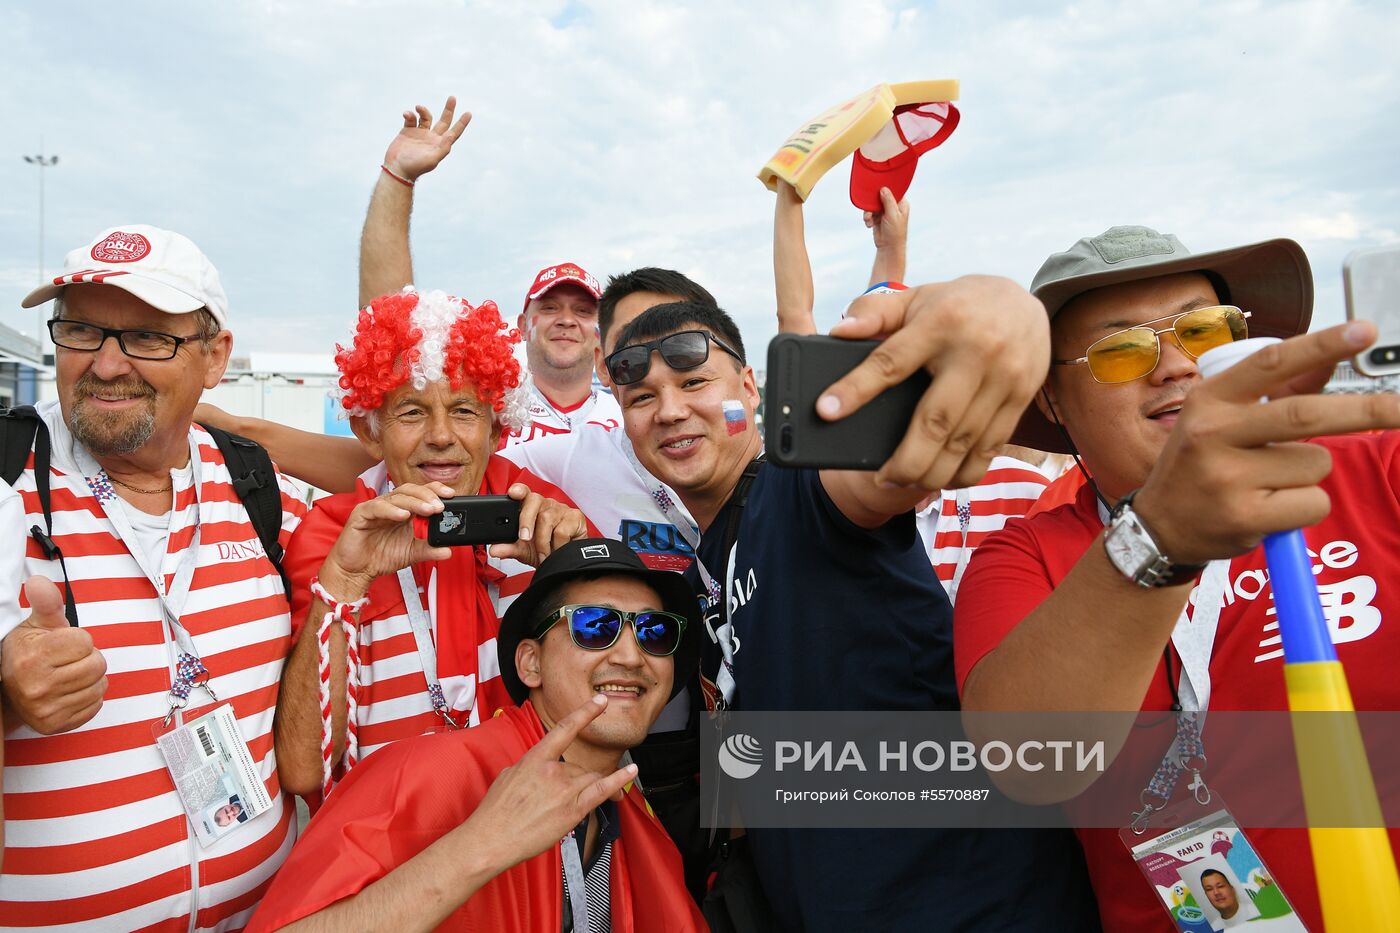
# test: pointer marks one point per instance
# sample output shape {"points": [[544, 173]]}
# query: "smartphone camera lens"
{"points": [[1385, 356]]}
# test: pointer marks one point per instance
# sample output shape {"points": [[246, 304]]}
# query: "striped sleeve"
{"points": [[1008, 490]]}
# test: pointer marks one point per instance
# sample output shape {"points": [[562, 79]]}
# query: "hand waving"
{"points": [[422, 144]]}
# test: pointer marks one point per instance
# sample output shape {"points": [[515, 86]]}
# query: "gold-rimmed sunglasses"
{"points": [[1133, 352]]}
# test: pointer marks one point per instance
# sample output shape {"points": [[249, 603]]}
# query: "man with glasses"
{"points": [[831, 603], [1091, 607], [462, 831], [174, 601]]}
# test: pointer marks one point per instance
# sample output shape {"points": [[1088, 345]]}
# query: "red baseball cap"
{"points": [[551, 276], [888, 160]]}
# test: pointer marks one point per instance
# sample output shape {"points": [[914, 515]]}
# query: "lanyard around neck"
{"points": [[172, 598]]}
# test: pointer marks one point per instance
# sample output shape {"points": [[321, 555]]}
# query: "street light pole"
{"points": [[43, 162]]}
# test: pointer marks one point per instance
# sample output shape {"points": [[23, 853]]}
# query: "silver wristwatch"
{"points": [[1132, 550]]}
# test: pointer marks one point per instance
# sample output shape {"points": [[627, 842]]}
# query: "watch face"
{"points": [[1128, 549]]}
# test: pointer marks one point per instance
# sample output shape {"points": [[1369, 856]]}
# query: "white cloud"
{"points": [[622, 133]]}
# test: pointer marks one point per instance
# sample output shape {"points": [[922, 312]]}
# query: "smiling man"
{"points": [[560, 323], [822, 597], [430, 384], [1149, 591], [172, 592], [463, 831]]}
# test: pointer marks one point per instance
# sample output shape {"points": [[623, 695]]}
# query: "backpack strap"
{"points": [[22, 430], [255, 483]]}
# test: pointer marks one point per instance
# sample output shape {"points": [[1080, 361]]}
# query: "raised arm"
{"points": [[386, 264], [326, 462], [792, 271], [890, 230]]}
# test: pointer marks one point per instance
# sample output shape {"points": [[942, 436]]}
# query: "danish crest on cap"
{"points": [[120, 246]]}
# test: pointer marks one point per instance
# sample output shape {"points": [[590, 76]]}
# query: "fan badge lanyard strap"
{"points": [[679, 519], [1187, 753], [422, 632], [190, 671], [423, 636], [573, 874]]}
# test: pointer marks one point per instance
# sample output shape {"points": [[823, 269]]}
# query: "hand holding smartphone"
{"points": [[800, 368], [468, 520]]}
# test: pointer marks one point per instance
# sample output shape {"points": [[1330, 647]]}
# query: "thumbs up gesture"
{"points": [[52, 673]]}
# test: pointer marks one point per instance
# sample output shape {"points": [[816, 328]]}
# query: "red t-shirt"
{"points": [[1353, 551]]}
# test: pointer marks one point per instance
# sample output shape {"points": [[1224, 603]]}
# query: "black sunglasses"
{"points": [[681, 351], [597, 628]]}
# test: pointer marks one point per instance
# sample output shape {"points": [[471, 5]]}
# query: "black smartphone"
{"points": [[475, 520], [1372, 281], [800, 369]]}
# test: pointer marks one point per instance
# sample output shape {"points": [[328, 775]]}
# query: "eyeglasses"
{"points": [[138, 344], [681, 351], [596, 628], [1130, 354]]}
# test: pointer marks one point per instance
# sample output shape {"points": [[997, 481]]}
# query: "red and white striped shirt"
{"points": [[95, 836], [393, 701], [956, 522]]}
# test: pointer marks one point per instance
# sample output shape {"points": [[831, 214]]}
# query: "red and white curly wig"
{"points": [[423, 338]]}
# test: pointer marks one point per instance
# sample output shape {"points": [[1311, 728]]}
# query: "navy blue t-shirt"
{"points": [[831, 616]]}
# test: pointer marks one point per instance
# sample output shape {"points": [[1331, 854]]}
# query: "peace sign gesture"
{"points": [[536, 802], [422, 144]]}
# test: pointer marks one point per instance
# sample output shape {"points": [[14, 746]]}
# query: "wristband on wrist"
{"points": [[344, 614], [341, 611], [406, 182]]}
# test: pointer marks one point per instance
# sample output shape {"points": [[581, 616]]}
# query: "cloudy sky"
{"points": [[618, 134]]}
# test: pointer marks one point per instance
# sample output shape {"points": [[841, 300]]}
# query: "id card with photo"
{"points": [[1208, 876], [214, 774]]}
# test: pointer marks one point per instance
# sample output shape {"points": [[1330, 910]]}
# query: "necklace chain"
{"points": [[145, 492]]}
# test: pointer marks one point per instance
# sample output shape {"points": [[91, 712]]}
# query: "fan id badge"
{"points": [[214, 773], [1206, 873]]}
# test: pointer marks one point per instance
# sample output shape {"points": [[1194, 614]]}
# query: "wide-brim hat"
{"points": [[589, 557], [1272, 280]]}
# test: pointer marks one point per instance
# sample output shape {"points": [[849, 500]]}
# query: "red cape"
{"points": [[403, 798]]}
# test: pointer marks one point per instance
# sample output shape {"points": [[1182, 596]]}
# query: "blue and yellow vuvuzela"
{"points": [[1356, 876]]}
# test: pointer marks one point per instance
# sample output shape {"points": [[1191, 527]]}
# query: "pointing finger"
{"points": [[558, 739]]}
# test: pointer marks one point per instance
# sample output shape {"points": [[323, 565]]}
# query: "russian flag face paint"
{"points": [[736, 421]]}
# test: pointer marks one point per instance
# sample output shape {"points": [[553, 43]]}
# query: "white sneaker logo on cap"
{"points": [[594, 550], [120, 246]]}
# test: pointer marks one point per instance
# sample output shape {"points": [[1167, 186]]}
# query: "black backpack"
{"points": [[254, 481]]}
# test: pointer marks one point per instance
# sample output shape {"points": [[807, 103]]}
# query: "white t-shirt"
{"points": [[546, 419], [153, 531], [596, 468]]}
